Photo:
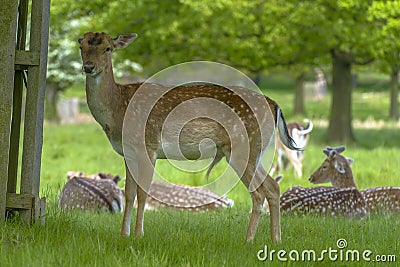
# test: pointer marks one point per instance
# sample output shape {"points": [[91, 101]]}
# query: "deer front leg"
{"points": [[130, 195], [145, 176], [141, 200]]}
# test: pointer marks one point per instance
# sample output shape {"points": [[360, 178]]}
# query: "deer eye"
{"points": [[108, 49]]}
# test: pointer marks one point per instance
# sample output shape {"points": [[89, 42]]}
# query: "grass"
{"points": [[207, 239], [183, 239]]}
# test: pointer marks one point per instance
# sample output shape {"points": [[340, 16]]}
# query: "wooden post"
{"points": [[17, 101], [34, 109], [8, 25]]}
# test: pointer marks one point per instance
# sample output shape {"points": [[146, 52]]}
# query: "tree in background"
{"points": [[63, 68], [387, 49]]}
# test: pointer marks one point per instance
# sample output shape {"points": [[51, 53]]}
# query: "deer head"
{"points": [[96, 49], [334, 169]]}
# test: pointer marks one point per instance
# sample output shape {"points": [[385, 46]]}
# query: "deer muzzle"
{"points": [[88, 67]]}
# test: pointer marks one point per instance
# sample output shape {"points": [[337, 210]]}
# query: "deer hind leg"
{"points": [[272, 192], [296, 162], [279, 162], [267, 188], [130, 195], [253, 178], [258, 200]]}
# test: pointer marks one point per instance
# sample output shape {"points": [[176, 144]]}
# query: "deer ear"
{"points": [[116, 179], [279, 178], [124, 40], [350, 160], [340, 149], [102, 175], [339, 167]]}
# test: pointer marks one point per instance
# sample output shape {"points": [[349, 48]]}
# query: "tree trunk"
{"points": [[340, 129], [394, 104], [257, 78], [52, 93], [299, 95]]}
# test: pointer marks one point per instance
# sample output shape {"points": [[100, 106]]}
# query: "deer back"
{"points": [[382, 199], [183, 197], [329, 201]]}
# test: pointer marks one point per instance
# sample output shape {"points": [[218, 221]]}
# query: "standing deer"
{"points": [[336, 170], [341, 199], [108, 102], [301, 135]]}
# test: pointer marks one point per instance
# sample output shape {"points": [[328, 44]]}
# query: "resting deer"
{"points": [[341, 199], [108, 102], [300, 135], [336, 170], [99, 192], [95, 176], [384, 199], [161, 194], [183, 197]]}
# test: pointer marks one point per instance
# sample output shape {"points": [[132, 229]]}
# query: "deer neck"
{"points": [[99, 92], [103, 101], [344, 180]]}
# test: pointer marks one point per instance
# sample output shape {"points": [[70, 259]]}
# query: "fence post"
{"points": [[34, 109], [8, 26]]}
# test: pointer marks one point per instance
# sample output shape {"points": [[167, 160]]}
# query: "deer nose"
{"points": [[88, 67]]}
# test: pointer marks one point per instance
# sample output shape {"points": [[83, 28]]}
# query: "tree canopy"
{"points": [[250, 35]]}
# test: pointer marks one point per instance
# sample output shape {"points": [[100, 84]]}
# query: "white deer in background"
{"points": [[108, 102], [301, 135]]}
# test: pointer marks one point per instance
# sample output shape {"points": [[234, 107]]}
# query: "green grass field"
{"points": [[216, 238]]}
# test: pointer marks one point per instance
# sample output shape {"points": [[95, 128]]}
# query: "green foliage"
{"points": [[250, 35], [387, 46]]}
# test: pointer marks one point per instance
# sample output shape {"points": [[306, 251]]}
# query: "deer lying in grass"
{"points": [[384, 199], [98, 192], [336, 170], [342, 199], [301, 135], [84, 193], [108, 102], [95, 176], [183, 197]]}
